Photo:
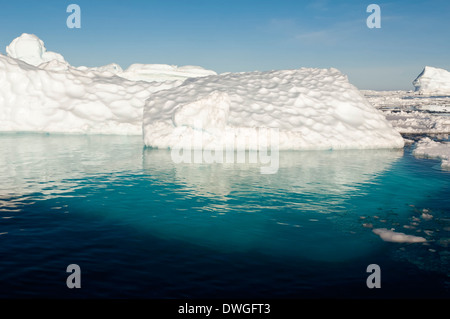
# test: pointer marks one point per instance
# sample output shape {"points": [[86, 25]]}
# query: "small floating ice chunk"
{"points": [[426, 216], [284, 224], [427, 148], [396, 237]]}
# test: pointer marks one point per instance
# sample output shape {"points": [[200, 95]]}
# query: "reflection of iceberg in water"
{"points": [[325, 172], [54, 164], [226, 207], [267, 213]]}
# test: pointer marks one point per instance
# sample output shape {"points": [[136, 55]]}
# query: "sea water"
{"points": [[140, 225]]}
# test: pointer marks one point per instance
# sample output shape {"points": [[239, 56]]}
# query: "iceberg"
{"points": [[30, 49], [308, 108], [433, 81], [170, 105], [41, 92], [59, 98]]}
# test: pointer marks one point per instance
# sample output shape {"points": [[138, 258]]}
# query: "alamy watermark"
{"points": [[74, 19], [74, 279], [252, 145], [374, 20], [374, 280]]}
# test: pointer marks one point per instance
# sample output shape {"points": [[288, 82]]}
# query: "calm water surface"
{"points": [[141, 226]]}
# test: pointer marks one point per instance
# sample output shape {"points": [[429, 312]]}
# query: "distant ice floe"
{"points": [[423, 111], [411, 113], [397, 237], [433, 81], [418, 122], [428, 148]]}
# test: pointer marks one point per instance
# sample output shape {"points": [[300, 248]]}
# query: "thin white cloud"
{"points": [[292, 31], [313, 35], [320, 5]]}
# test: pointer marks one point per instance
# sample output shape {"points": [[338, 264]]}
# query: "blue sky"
{"points": [[245, 35]]}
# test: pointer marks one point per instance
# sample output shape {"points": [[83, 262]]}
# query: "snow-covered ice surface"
{"points": [[309, 108], [433, 81], [70, 100], [29, 48], [152, 72], [47, 94], [163, 72], [428, 148]]}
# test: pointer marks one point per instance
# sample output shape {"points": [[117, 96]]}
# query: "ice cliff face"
{"points": [[308, 108], [433, 81]]}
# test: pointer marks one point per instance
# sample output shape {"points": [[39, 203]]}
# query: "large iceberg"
{"points": [[30, 49], [306, 108], [40, 91], [68, 100], [433, 81]]}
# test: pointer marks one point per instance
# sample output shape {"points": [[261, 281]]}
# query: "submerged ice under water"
{"points": [[140, 225]]}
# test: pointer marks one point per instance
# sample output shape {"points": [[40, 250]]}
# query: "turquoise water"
{"points": [[141, 226]]}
